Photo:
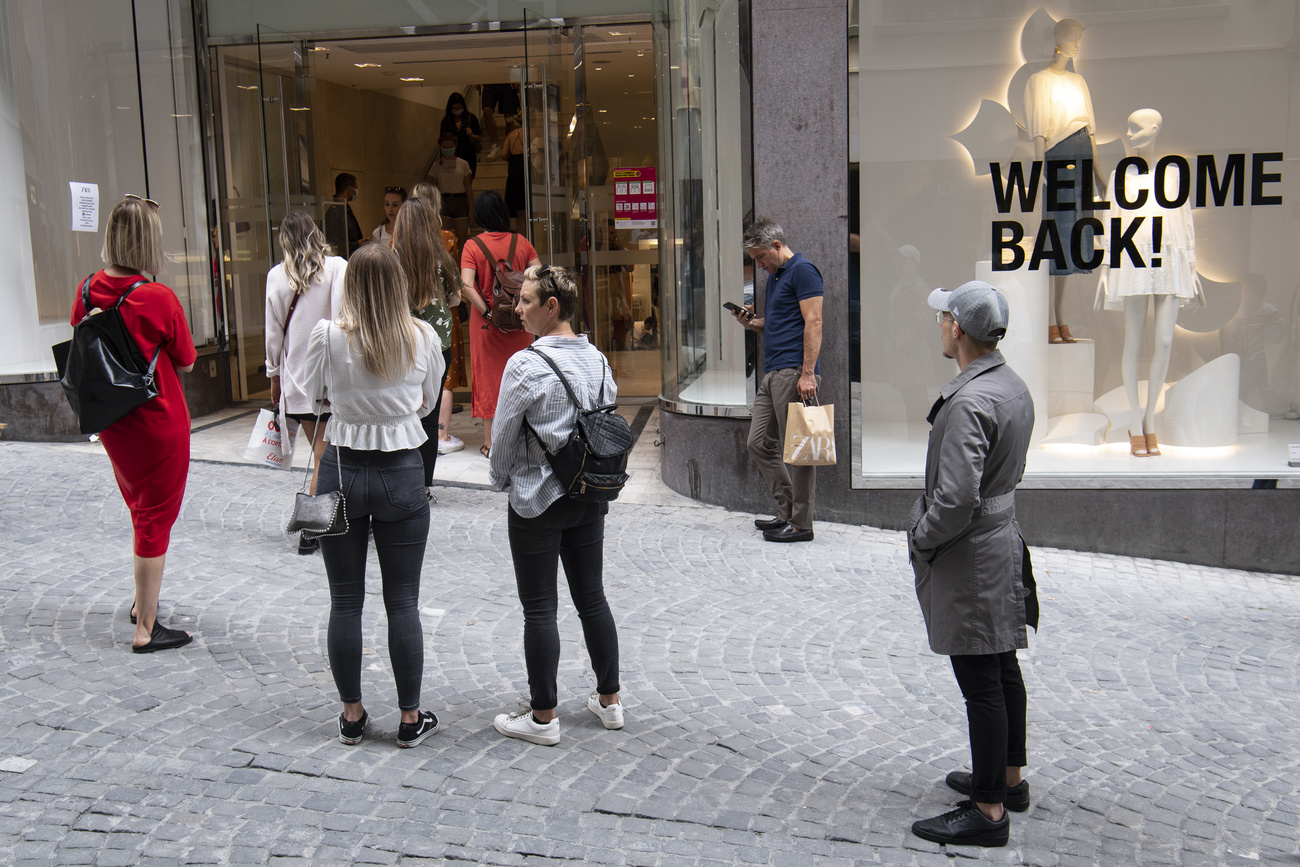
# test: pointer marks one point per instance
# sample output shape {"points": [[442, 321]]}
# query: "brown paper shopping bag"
{"points": [[810, 435]]}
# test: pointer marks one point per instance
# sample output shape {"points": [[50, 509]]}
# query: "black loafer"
{"points": [[788, 533], [964, 826], [163, 638], [1017, 796], [769, 524]]}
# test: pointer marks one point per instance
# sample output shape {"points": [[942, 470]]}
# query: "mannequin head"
{"points": [[1067, 35], [1143, 127]]}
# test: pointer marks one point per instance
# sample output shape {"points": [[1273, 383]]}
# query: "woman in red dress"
{"points": [[149, 447], [490, 347]]}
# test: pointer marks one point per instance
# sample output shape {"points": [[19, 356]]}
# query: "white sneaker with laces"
{"points": [[611, 716], [449, 445], [521, 725]]}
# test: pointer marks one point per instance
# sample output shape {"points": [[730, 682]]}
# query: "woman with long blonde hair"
{"points": [[302, 290], [455, 378], [380, 368], [434, 284]]}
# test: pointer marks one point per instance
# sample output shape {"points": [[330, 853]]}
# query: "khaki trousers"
{"points": [[792, 487]]}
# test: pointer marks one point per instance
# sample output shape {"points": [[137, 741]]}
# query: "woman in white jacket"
{"points": [[306, 288]]}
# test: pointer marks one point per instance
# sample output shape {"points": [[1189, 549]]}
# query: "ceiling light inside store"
{"points": [[366, 65], [413, 78], [246, 86], [319, 48], [299, 108]]}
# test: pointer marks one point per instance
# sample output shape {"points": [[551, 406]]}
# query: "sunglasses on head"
{"points": [[401, 191], [142, 199]]}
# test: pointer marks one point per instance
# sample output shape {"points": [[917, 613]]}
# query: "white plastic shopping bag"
{"points": [[272, 440]]}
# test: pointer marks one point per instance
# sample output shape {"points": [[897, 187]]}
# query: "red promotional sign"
{"points": [[635, 203]]}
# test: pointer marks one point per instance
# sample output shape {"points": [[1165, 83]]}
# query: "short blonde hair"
{"points": [[558, 283], [133, 239]]}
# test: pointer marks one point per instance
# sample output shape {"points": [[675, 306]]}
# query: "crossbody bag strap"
{"points": [[573, 397], [288, 316]]}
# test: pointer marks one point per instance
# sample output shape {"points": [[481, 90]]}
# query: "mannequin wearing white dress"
{"points": [[1057, 107], [1168, 287]]}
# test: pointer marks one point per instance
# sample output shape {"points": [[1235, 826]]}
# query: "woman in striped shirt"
{"points": [[545, 525]]}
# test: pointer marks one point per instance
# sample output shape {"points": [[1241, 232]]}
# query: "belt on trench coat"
{"points": [[995, 505]]}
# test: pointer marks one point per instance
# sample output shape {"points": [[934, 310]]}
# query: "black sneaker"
{"points": [[411, 734], [965, 826], [350, 732], [1017, 796], [308, 544]]}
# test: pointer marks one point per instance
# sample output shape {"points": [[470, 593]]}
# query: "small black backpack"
{"points": [[103, 372], [592, 464]]}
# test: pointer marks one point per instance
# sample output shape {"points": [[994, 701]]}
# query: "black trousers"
{"points": [[574, 533], [995, 716]]}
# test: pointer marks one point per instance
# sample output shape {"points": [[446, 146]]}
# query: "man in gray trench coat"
{"points": [[973, 578]]}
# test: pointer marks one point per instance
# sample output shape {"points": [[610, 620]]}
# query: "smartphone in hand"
{"points": [[740, 311]]}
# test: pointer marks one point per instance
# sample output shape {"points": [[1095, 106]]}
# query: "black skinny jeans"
{"points": [[574, 533], [429, 450], [995, 716], [383, 492]]}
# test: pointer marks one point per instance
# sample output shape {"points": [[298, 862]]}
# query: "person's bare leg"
{"points": [[148, 581], [1058, 297], [544, 716], [487, 434], [444, 415], [490, 124], [1013, 776], [355, 710], [606, 699]]}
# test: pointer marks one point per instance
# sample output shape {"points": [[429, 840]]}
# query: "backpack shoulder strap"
{"points": [[487, 254], [510, 257], [85, 295], [134, 286], [565, 382]]}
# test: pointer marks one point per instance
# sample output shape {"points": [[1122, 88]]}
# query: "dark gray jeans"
{"points": [[385, 492], [574, 533]]}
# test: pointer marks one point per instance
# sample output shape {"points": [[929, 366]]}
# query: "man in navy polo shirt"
{"points": [[791, 326]]}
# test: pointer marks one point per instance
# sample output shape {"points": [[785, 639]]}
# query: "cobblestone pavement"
{"points": [[782, 706]]}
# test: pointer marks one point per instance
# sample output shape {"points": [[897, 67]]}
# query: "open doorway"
{"points": [[295, 112]]}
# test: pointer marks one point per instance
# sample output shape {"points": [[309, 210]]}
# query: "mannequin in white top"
{"points": [[1173, 283], [1057, 106]]}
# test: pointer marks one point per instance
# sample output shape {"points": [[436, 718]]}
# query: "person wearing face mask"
{"points": [[461, 123], [455, 182], [342, 230]]}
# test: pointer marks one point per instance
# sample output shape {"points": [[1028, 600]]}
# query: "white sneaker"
{"points": [[492, 152], [449, 445], [521, 724], [611, 716]]}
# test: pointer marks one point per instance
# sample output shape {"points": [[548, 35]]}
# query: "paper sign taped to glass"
{"points": [[810, 435]]}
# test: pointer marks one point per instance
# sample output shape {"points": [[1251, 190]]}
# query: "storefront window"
{"points": [[704, 111], [92, 98], [1169, 307]]}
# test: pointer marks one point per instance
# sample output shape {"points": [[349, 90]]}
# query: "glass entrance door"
{"points": [[265, 109], [553, 133]]}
